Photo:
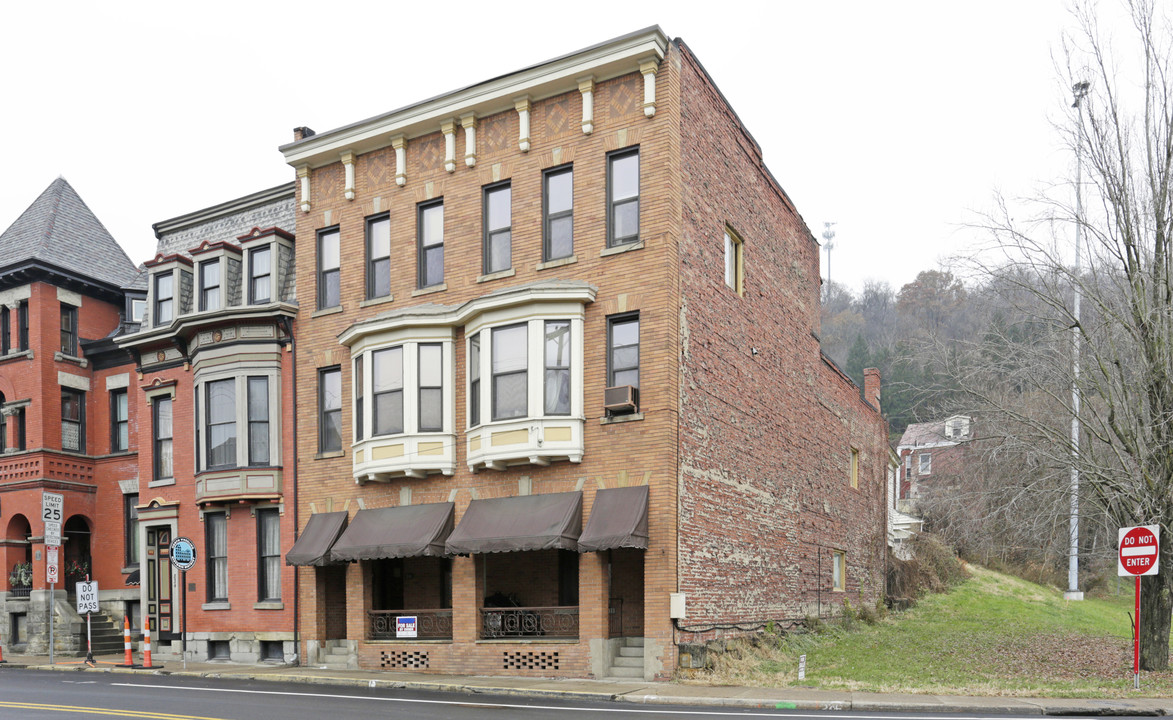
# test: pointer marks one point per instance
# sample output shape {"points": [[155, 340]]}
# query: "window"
{"points": [[130, 528], [733, 262], [854, 471], [387, 389], [163, 457], [330, 410], [557, 381], [623, 197], [268, 555], [558, 213], [5, 330], [220, 426], [430, 226], [498, 218], [216, 527], [164, 299], [474, 380], [138, 307], [209, 285], [69, 330], [378, 257], [510, 389], [73, 415], [926, 464], [258, 421], [358, 398], [18, 418], [329, 257], [431, 391], [119, 422], [260, 273], [623, 351], [838, 571], [22, 319]]}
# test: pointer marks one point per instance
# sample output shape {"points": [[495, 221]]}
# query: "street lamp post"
{"points": [[1073, 593]]}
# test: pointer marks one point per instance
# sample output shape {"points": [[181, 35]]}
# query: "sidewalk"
{"points": [[639, 692]]}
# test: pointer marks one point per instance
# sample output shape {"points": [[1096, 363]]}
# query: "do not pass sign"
{"points": [[1138, 550]]}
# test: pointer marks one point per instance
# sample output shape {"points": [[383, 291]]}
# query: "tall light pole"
{"points": [[1080, 90], [828, 236]]}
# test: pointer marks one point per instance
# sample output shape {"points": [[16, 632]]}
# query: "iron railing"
{"points": [[430, 624], [527, 622]]}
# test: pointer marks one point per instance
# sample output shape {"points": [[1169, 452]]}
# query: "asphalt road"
{"points": [[40, 695]]}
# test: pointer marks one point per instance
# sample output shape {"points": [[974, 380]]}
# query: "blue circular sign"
{"points": [[183, 553]]}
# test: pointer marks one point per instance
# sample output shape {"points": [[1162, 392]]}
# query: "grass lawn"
{"points": [[994, 634]]}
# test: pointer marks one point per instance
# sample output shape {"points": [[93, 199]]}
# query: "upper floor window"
{"points": [[17, 421], [138, 308], [854, 469], [330, 410], [405, 392], [329, 258], [22, 321], [733, 262], [498, 218], [216, 544], [557, 385], [237, 421], [558, 213], [925, 466], [130, 528], [220, 426], [510, 362], [431, 388], [69, 330], [119, 422], [163, 457], [209, 285], [258, 421], [474, 380], [73, 420], [260, 276], [623, 350], [387, 389], [378, 257], [430, 229], [5, 330], [358, 398], [623, 197], [268, 555], [838, 571], [164, 298]]}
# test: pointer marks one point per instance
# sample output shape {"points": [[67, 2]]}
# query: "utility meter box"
{"points": [[676, 605]]}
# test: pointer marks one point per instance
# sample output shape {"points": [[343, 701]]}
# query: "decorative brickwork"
{"points": [[529, 661], [404, 660]]}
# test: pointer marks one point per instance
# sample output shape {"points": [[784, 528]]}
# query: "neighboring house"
{"points": [[561, 401], [213, 394], [67, 423], [930, 448], [902, 526]]}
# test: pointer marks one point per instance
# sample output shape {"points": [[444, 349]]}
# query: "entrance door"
{"points": [[627, 592], [158, 582]]}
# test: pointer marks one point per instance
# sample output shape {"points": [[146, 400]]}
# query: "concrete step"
{"points": [[628, 662], [633, 642], [631, 651], [626, 672]]}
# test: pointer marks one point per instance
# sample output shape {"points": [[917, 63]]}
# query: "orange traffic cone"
{"points": [[2, 660], [147, 664], [129, 659]]}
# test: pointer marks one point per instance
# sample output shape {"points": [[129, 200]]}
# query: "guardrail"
{"points": [[430, 624], [528, 622]]}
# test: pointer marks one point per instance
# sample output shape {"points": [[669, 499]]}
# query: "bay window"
{"points": [[510, 396], [387, 390], [431, 384], [236, 424]]}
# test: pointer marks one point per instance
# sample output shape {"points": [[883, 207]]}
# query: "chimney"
{"points": [[871, 387], [301, 133]]}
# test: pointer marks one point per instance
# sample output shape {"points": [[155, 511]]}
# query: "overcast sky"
{"points": [[896, 120]]}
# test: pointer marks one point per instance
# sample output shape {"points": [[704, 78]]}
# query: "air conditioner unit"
{"points": [[621, 399]]}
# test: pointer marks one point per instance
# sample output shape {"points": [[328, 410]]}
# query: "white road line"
{"points": [[780, 712]]}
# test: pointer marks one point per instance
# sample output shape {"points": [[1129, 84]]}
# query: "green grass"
{"points": [[994, 634]]}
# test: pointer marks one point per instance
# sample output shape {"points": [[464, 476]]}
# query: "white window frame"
{"points": [[924, 463], [240, 373]]}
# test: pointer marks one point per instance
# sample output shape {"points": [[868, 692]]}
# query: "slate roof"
{"points": [[930, 433], [60, 230]]}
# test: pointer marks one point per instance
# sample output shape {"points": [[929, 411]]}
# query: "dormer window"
{"points": [[164, 299], [260, 275], [138, 308], [210, 285]]}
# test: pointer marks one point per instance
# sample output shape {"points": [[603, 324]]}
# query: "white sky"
{"points": [[896, 120]]}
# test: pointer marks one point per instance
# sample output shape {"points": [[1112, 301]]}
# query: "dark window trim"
{"points": [[81, 421], [613, 241], [323, 412], [159, 300], [69, 334], [261, 514], [204, 288], [253, 299], [5, 330], [157, 440], [421, 265], [612, 321], [371, 260], [213, 558], [130, 528], [359, 423], [115, 436], [486, 234], [323, 272], [22, 317], [547, 217]]}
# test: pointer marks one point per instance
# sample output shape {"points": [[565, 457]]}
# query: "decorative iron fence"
{"points": [[429, 625], [525, 622], [20, 592]]}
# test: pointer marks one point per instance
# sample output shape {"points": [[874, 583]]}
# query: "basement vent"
{"points": [[404, 659], [530, 661]]}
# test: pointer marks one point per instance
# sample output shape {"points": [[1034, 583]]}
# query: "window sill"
{"points": [[376, 301], [19, 355], [326, 311], [528, 641], [115, 454], [616, 419], [430, 289], [557, 262], [497, 275], [130, 569], [626, 247], [269, 605], [331, 454], [217, 605], [161, 483], [62, 357]]}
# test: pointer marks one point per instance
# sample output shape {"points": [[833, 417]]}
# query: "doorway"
{"points": [[158, 582]]}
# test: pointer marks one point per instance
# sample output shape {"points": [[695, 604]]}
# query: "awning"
{"points": [[529, 522], [619, 519], [313, 545], [395, 532]]}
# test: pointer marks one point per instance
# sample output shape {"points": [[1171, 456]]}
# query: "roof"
{"points": [[60, 230], [932, 433]]}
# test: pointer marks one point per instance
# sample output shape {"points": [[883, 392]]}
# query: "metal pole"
{"points": [[1080, 89], [184, 574], [51, 593], [1136, 640]]}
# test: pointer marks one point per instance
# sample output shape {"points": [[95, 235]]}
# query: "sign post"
{"points": [[52, 510], [183, 556], [1138, 556], [87, 602]]}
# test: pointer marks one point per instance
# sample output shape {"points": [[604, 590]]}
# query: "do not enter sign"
{"points": [[1138, 550]]}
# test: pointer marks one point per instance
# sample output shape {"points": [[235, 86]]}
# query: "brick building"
{"points": [[931, 449], [213, 389], [66, 424], [561, 400]]}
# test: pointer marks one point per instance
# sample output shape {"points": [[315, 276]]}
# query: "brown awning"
{"points": [[313, 545], [394, 532], [528, 522], [619, 519]]}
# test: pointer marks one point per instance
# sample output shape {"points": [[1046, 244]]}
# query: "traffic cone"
{"points": [[128, 662], [2, 660], [147, 664]]}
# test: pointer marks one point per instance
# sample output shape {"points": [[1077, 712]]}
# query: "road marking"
{"points": [[147, 714], [626, 709]]}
